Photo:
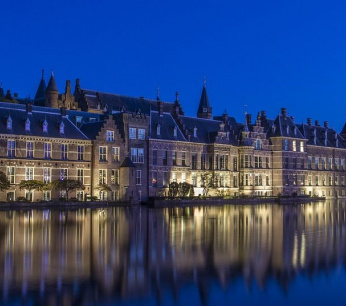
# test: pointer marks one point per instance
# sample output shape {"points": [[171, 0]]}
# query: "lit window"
{"points": [[183, 177], [115, 154], [115, 177], [194, 179], [11, 174], [80, 152], [29, 149], [64, 151], [141, 134], [11, 148], [102, 176], [110, 136], [29, 173], [294, 145], [154, 178], [302, 146], [258, 144], [27, 125], [174, 177], [286, 144], [103, 153], [46, 175], [47, 150], [132, 133], [137, 155], [80, 175], [63, 174]]}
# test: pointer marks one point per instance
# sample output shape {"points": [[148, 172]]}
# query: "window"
{"points": [[183, 158], [235, 181], [323, 162], [194, 161], [62, 128], [103, 153], [29, 149], [294, 162], [11, 174], [175, 131], [183, 177], [64, 151], [155, 157], [79, 121], [258, 144], [109, 136], [267, 180], [102, 176], [47, 175], [27, 125], [285, 144], [330, 181], [45, 126], [210, 162], [139, 177], [165, 179], [329, 163], [9, 123], [294, 179], [141, 134], [235, 163], [47, 147], [316, 162], [80, 152], [154, 178], [46, 195], [132, 133], [302, 146], [323, 180], [137, 155], [342, 164], [115, 177], [164, 158], [309, 180], [11, 148], [63, 174], [174, 158], [194, 132], [158, 130], [115, 154], [194, 179], [29, 173], [302, 180], [309, 162], [336, 163], [203, 161], [80, 175], [294, 145], [80, 195], [174, 177]]}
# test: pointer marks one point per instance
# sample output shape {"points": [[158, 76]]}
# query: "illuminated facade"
{"points": [[138, 146]]}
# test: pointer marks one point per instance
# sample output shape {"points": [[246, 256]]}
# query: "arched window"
{"points": [[258, 144], [27, 125]]}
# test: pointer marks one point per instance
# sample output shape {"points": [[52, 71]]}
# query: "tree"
{"points": [[173, 189], [31, 185], [206, 182], [103, 187], [68, 185], [4, 182], [184, 189]]}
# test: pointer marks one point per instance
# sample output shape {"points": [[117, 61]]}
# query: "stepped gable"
{"points": [[19, 115], [99, 100], [322, 136], [284, 126], [167, 126], [92, 129]]}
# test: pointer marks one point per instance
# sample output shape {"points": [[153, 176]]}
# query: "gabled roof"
{"points": [[283, 126], [167, 126], [99, 100], [127, 163], [19, 115], [92, 129]]}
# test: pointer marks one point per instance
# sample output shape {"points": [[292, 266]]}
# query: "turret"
{"points": [[52, 93], [40, 96], [204, 109]]}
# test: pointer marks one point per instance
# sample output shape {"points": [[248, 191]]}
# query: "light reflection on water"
{"points": [[203, 255]]}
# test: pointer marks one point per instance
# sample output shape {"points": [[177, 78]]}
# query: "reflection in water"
{"points": [[119, 254]]}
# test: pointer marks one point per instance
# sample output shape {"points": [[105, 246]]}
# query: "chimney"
{"points": [[317, 123], [63, 111], [28, 108], [8, 95], [160, 107], [68, 87], [284, 111], [309, 121], [248, 119], [326, 124]]}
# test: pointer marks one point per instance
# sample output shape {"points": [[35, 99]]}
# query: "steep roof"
{"points": [[51, 84], [283, 126], [19, 115], [41, 90], [92, 129]]}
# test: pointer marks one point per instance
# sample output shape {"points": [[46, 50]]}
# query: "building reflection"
{"points": [[114, 254]]}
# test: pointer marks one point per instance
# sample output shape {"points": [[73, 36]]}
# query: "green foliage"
{"points": [[31, 185], [173, 189], [184, 189], [4, 182], [103, 187], [68, 185], [206, 182], [181, 190]]}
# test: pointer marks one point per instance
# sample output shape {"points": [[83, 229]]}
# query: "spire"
{"points": [[158, 93], [41, 91], [1, 91], [204, 109], [51, 84]]}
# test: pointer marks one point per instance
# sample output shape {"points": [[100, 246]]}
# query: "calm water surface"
{"points": [[231, 255]]}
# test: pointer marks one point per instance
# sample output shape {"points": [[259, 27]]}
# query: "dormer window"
{"points": [[273, 128], [194, 132], [27, 125], [205, 110], [295, 130], [45, 126], [175, 131], [62, 128], [9, 123], [287, 129], [337, 142], [258, 144], [158, 130]]}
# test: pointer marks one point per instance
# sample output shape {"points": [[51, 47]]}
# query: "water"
{"points": [[238, 255]]}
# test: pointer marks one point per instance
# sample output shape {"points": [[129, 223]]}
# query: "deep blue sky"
{"points": [[266, 54]]}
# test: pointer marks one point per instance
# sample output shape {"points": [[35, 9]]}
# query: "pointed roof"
{"points": [[204, 101], [2, 94], [41, 90], [51, 84], [127, 163]]}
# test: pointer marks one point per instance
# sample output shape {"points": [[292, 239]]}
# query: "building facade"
{"points": [[129, 149]]}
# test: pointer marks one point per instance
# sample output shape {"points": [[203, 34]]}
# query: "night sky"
{"points": [[263, 54]]}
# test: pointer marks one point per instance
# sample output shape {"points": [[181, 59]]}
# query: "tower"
{"points": [[52, 93], [40, 96], [204, 109]]}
